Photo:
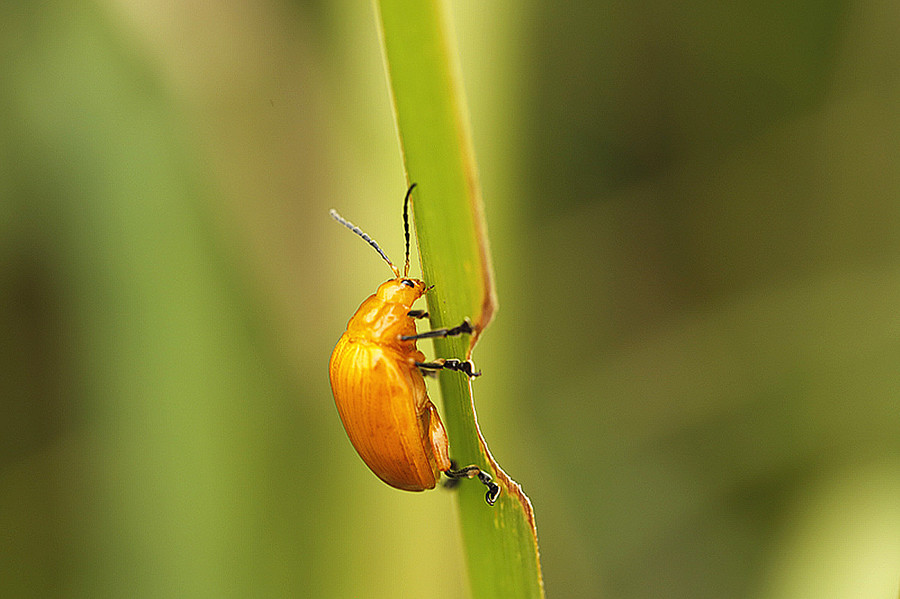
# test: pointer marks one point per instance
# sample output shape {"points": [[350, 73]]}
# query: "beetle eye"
{"points": [[408, 283]]}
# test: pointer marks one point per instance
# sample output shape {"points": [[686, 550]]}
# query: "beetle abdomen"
{"points": [[380, 396]]}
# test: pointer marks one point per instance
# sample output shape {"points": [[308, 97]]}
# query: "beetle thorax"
{"points": [[384, 316]]}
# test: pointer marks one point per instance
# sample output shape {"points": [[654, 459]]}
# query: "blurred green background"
{"points": [[694, 372]]}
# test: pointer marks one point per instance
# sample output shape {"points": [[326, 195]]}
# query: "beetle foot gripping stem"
{"points": [[467, 367], [493, 489]]}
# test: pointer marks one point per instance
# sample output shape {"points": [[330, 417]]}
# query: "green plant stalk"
{"points": [[500, 542]]}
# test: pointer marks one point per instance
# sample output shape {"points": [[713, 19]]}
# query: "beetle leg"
{"points": [[464, 366], [493, 489], [451, 483], [465, 327], [417, 314], [427, 372]]}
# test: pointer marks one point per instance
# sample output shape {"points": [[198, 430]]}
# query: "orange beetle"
{"points": [[379, 388]]}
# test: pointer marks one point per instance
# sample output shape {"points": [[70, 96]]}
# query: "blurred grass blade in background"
{"points": [[500, 542]]}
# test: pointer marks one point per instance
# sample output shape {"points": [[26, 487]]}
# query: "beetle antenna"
{"points": [[406, 226], [369, 240]]}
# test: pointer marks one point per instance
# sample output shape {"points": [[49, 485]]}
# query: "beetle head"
{"points": [[401, 291]]}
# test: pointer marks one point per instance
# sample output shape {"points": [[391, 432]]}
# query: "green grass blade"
{"points": [[500, 542]]}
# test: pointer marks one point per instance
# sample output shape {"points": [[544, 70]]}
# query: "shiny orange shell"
{"points": [[380, 392]]}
